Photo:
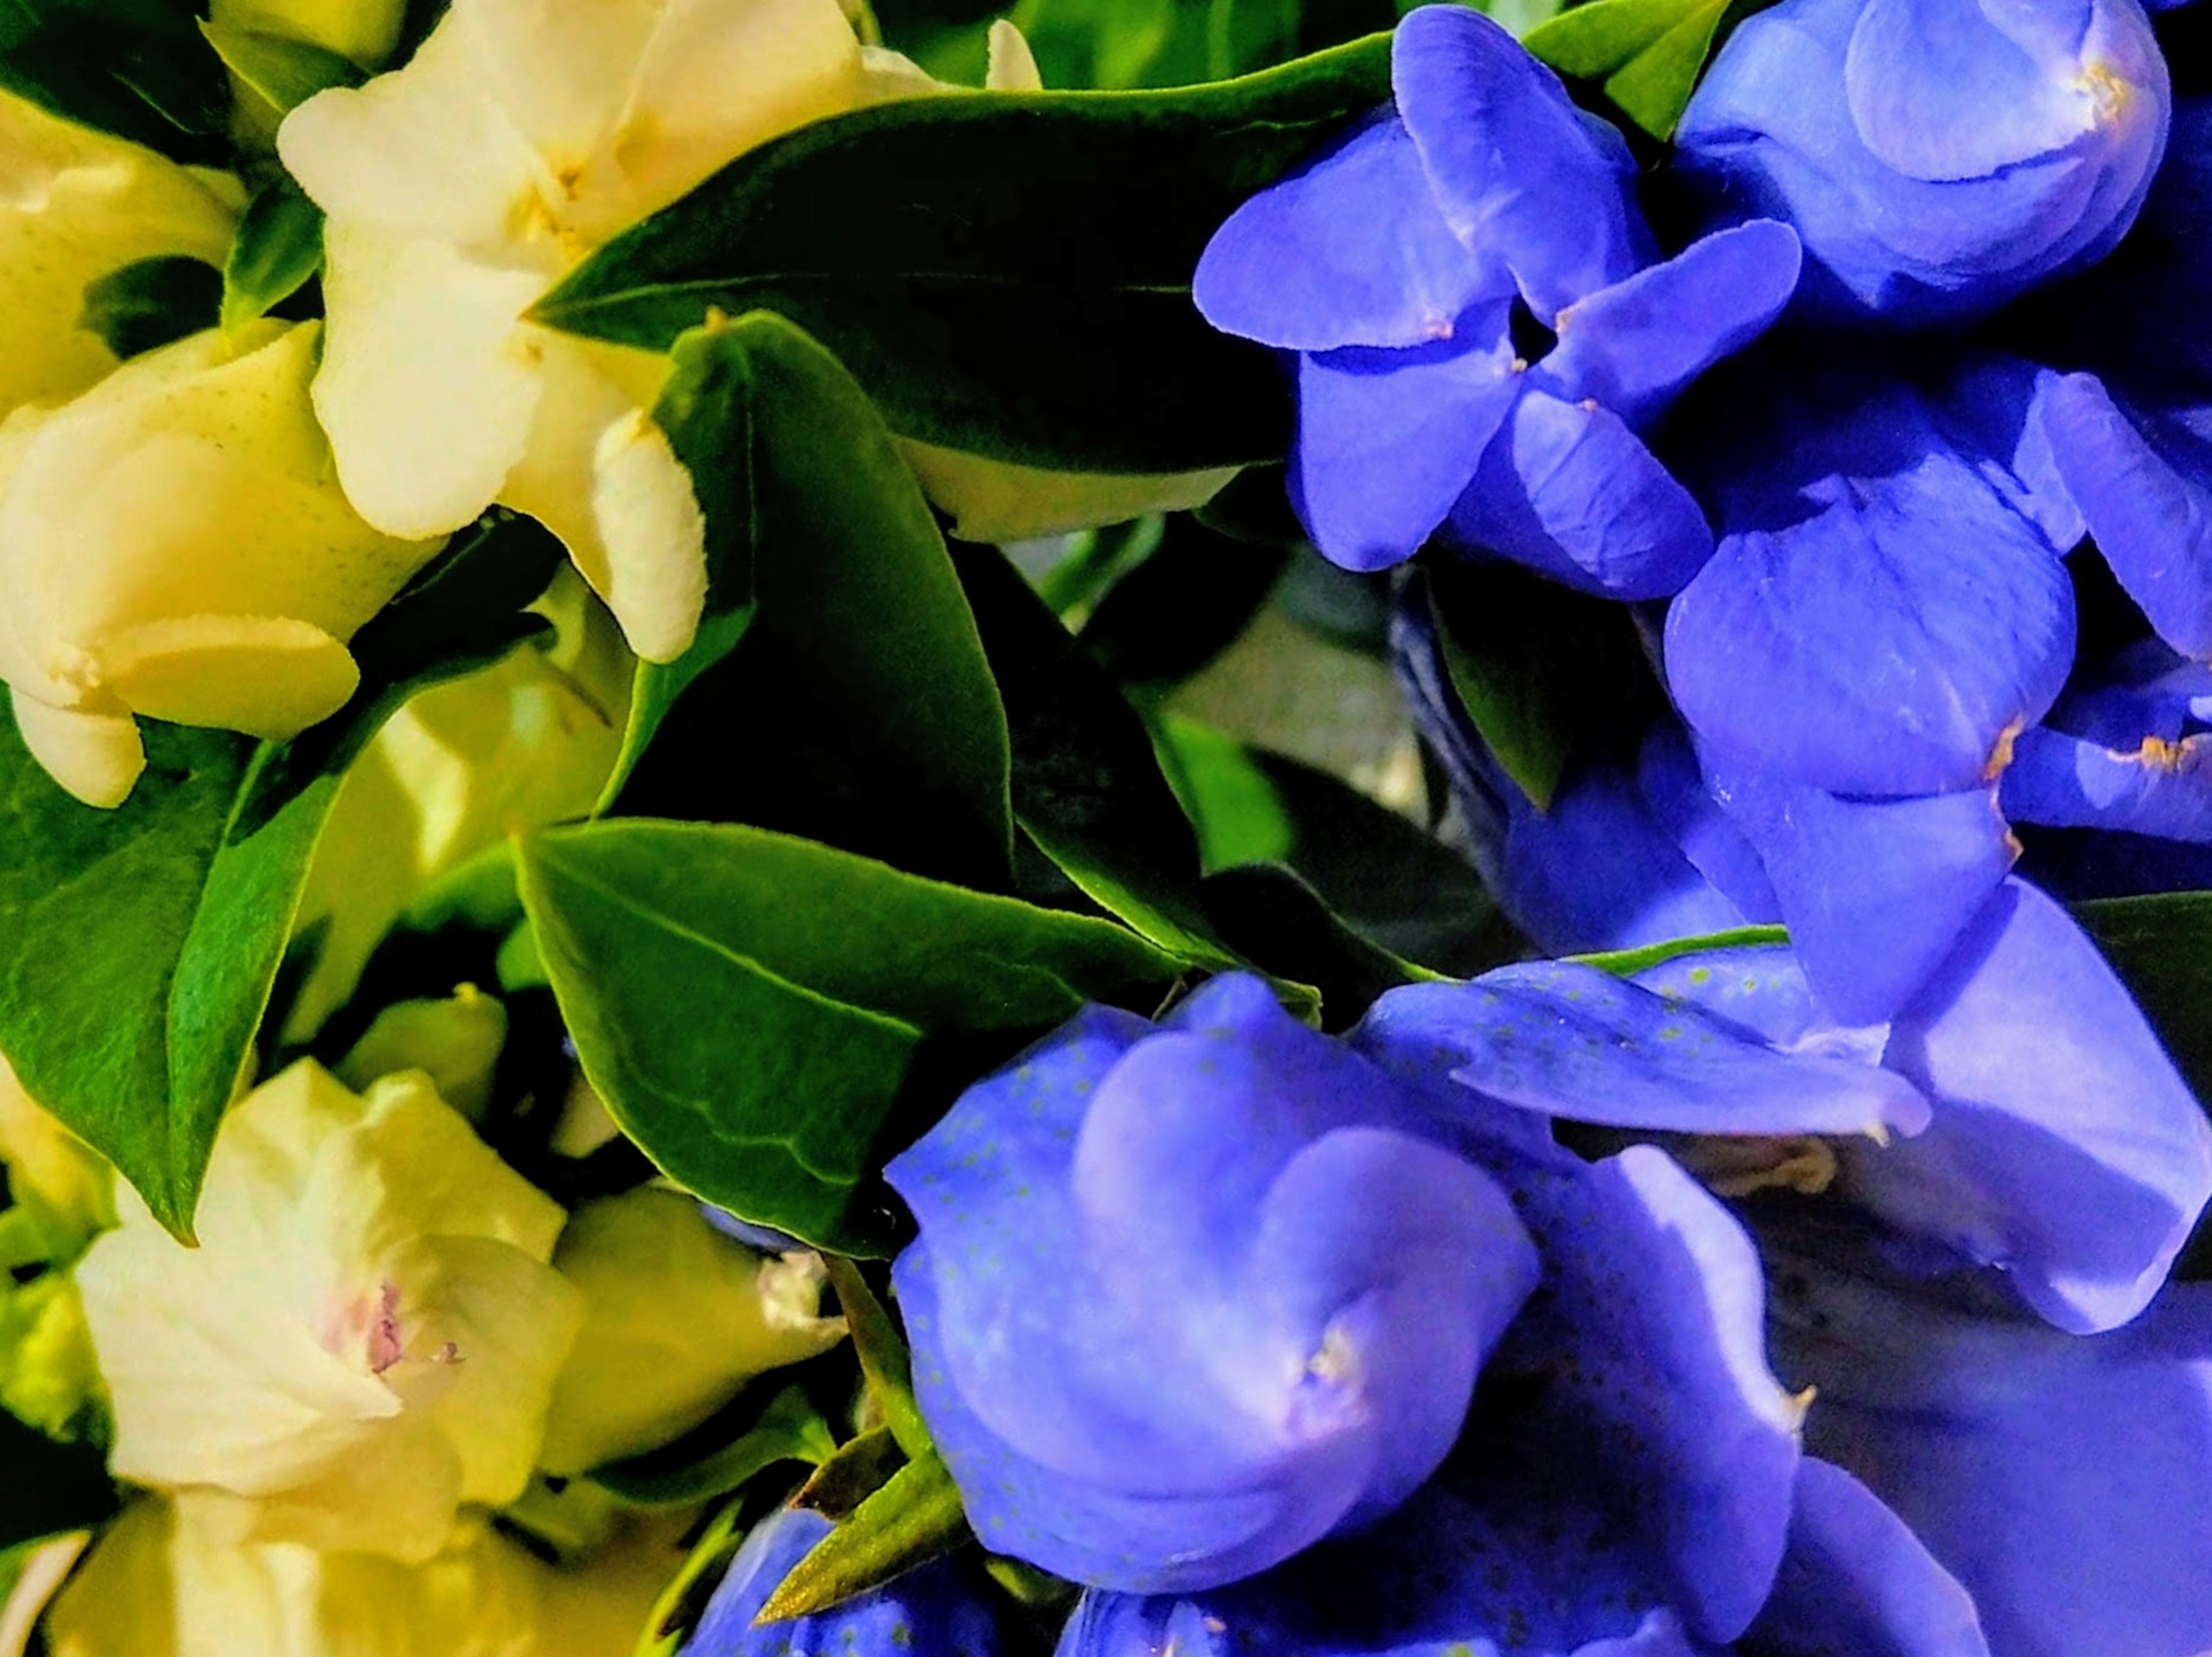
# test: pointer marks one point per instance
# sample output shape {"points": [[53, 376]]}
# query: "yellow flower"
{"points": [[365, 1340], [76, 205], [162, 1582], [677, 1317], [172, 544], [68, 1183], [460, 187]]}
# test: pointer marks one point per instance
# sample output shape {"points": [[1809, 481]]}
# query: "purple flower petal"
{"points": [[2065, 1146], [2159, 787], [1514, 166], [1388, 439], [1349, 249]]}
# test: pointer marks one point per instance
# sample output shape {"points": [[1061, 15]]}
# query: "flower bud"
{"points": [[76, 205], [676, 1318], [1936, 156], [173, 544], [366, 1339], [362, 30]]}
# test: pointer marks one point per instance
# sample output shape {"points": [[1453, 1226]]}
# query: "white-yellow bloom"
{"points": [[76, 205], [365, 1339], [524, 133], [69, 1184], [172, 544], [362, 30], [163, 1582], [677, 1317]]}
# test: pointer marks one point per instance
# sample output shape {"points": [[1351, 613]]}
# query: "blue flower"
{"points": [[1188, 1297], [1938, 157], [930, 1612], [1419, 268]]}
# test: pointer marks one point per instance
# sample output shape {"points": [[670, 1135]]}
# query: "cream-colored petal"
{"points": [[421, 152], [399, 1500], [268, 676], [601, 476], [438, 1179], [891, 77], [124, 1598], [1013, 66], [41, 1574], [428, 387], [715, 79], [561, 71], [1001, 501], [97, 756]]}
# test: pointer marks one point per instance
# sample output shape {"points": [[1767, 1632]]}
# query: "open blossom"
{"points": [[366, 1339], [459, 189], [1937, 156], [1420, 268], [76, 205], [172, 544]]}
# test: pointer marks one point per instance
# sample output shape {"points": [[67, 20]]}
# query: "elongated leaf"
{"points": [[2161, 947], [1627, 963], [1087, 785], [789, 1429], [860, 1467], [855, 705], [136, 68], [1005, 274], [1277, 921], [150, 303], [138, 946], [747, 1004], [913, 1519], [46, 1487], [882, 1353], [1646, 53], [279, 246], [283, 71]]}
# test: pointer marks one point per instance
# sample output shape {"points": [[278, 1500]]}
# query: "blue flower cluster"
{"points": [[1803, 1299]]}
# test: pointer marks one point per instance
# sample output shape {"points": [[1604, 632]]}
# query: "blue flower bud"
{"points": [[1189, 1298], [1937, 156]]}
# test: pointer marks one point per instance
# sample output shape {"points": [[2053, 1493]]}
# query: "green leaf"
{"points": [[882, 1353], [152, 303], [1240, 816], [1278, 921], [747, 1004], [913, 1519], [1646, 53], [789, 1429], [1087, 785], [1007, 275], [684, 1601], [138, 947], [284, 72], [1627, 963], [136, 68], [858, 707], [2161, 947], [1183, 606], [46, 1488], [278, 247], [860, 1467]]}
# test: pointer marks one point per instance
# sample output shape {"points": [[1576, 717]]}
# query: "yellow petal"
{"points": [[428, 387], [43, 1572], [1001, 501], [96, 756], [268, 676], [122, 1599]]}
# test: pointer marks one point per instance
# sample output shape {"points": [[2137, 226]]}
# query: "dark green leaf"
{"points": [[858, 710], [1627, 963], [789, 1429], [2161, 947], [1239, 814], [279, 246], [1279, 923], [1181, 607], [136, 68], [1087, 785], [46, 1488], [858, 1470], [1007, 274], [138, 947], [152, 303], [284, 72], [913, 1519], [883, 1354], [1645, 53], [747, 1004]]}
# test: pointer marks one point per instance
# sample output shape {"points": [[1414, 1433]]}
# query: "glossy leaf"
{"points": [[747, 1004], [912, 1519], [789, 1429], [136, 68], [860, 1467], [278, 248], [151, 303], [283, 71], [1280, 924], [1006, 274], [852, 702], [882, 1353], [1647, 54], [138, 947]]}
